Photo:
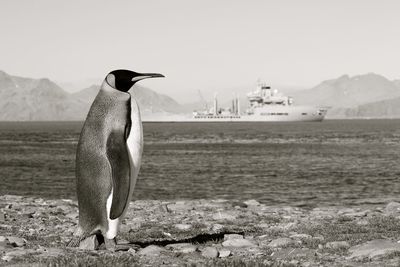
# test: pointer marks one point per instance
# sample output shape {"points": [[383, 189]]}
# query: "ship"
{"points": [[264, 105]]}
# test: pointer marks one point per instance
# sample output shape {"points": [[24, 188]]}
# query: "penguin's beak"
{"points": [[142, 76]]}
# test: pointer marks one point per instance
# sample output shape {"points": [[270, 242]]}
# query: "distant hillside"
{"points": [[26, 99], [349, 92], [381, 109], [149, 101]]}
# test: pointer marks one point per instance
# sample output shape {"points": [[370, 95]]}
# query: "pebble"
{"points": [[151, 250], [16, 241], [251, 202], [280, 242], [337, 245], [183, 227], [179, 206], [301, 236], [223, 253], [393, 208], [232, 236], [182, 247], [373, 249], [238, 243], [224, 216], [209, 252], [217, 227], [16, 253]]}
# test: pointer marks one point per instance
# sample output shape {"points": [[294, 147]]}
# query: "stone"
{"points": [[224, 216], [238, 243], [182, 226], [232, 236], [251, 202], [217, 227], [2, 217], [16, 241], [280, 242], [132, 251], [182, 247], [52, 252], [16, 253], [393, 208], [337, 245], [4, 244], [151, 250], [374, 249], [209, 252], [294, 253], [179, 206], [301, 236], [223, 253], [89, 243]]}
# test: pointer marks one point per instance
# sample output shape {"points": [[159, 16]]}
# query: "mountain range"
{"points": [[26, 99], [362, 96]]}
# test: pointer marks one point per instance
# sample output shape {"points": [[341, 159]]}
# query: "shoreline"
{"points": [[206, 232]]}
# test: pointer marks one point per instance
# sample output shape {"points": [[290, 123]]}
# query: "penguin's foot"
{"points": [[110, 244]]}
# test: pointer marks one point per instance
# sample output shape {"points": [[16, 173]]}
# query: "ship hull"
{"points": [[267, 114]]}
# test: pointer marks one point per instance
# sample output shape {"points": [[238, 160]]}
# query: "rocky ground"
{"points": [[34, 231]]}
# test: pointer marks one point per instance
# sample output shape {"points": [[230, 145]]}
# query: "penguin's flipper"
{"points": [[118, 156]]}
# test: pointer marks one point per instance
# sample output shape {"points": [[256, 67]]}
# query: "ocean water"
{"points": [[335, 162]]}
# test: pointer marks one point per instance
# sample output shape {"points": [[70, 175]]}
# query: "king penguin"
{"points": [[108, 158]]}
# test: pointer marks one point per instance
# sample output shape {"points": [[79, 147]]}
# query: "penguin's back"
{"points": [[102, 146]]}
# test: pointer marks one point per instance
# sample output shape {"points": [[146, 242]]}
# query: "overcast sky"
{"points": [[205, 45]]}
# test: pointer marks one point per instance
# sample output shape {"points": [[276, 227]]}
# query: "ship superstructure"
{"points": [[264, 104]]}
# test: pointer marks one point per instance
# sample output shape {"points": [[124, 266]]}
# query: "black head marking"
{"points": [[125, 79]]}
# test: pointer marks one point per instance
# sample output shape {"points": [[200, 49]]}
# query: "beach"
{"points": [[34, 232]]}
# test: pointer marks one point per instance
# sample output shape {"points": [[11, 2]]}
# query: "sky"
{"points": [[206, 45]]}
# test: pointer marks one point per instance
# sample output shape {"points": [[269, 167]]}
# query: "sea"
{"points": [[307, 164]]}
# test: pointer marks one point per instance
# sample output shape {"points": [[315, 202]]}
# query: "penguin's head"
{"points": [[123, 80]]}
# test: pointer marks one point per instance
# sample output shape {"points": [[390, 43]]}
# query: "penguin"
{"points": [[108, 158]]}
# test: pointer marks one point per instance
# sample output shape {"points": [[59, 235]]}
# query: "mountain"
{"points": [[381, 109], [349, 92], [26, 99], [149, 101]]}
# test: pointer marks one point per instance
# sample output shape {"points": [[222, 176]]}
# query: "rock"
{"points": [[232, 236], [301, 236], [223, 253], [238, 243], [209, 252], [52, 252], [393, 208], [132, 251], [151, 250], [182, 247], [251, 202], [183, 227], [2, 217], [16, 241], [294, 253], [179, 206], [89, 243], [217, 227], [224, 216], [337, 245], [4, 244], [280, 242], [16, 253], [373, 249]]}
